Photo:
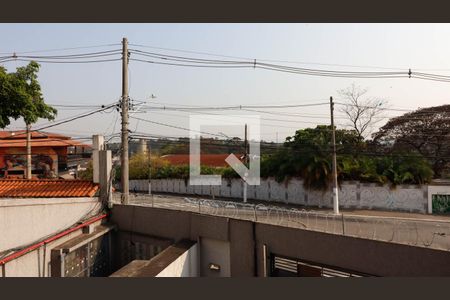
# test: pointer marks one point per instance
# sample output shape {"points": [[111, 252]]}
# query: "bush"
{"points": [[87, 174]]}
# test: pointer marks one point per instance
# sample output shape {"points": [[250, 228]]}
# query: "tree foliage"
{"points": [[158, 168], [308, 155], [426, 131], [21, 96]]}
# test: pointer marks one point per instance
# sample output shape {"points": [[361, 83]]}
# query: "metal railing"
{"points": [[415, 232]]}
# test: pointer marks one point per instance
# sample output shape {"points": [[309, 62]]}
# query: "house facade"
{"points": [[49, 153]]}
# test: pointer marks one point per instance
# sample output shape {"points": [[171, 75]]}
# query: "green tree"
{"points": [[307, 154], [405, 168], [21, 96], [425, 131]]}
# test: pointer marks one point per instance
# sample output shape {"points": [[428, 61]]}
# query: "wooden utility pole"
{"points": [[28, 174], [124, 105], [335, 181]]}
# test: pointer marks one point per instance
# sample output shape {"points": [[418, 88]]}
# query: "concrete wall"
{"points": [[215, 252], [361, 255], [178, 225], [352, 195], [184, 266], [129, 246], [37, 263], [246, 240], [25, 221]]}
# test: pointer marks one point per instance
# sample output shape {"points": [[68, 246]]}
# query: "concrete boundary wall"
{"points": [[185, 265], [247, 238], [352, 195]]}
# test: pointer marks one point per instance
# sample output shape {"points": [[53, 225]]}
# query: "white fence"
{"points": [[352, 195]]}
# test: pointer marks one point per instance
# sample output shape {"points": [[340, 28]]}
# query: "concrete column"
{"points": [[97, 145], [142, 149], [105, 165]]}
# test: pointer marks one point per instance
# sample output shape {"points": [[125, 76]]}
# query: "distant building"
{"points": [[210, 160], [49, 153]]}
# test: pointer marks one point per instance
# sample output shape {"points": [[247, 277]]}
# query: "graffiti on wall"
{"points": [[441, 204], [411, 198]]}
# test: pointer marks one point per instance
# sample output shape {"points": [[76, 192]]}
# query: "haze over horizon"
{"points": [[356, 47]]}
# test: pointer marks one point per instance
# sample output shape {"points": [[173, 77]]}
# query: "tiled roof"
{"points": [[212, 160], [22, 134], [46, 188], [40, 143], [43, 139]]}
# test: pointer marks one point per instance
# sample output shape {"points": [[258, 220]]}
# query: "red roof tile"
{"points": [[38, 138], [46, 188], [22, 134]]}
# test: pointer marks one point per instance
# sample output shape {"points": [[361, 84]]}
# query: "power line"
{"points": [[276, 147], [201, 62], [62, 62], [238, 116], [74, 118], [233, 107], [247, 107], [101, 110], [72, 56], [303, 115], [176, 127], [62, 49], [210, 63], [69, 58], [76, 105], [254, 63], [280, 61]]}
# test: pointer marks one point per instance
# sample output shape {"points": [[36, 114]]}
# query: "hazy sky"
{"points": [[404, 46]]}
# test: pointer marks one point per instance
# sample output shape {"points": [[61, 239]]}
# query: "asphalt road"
{"points": [[415, 231]]}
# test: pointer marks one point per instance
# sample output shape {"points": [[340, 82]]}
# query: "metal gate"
{"points": [[440, 204], [91, 260], [288, 267]]}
